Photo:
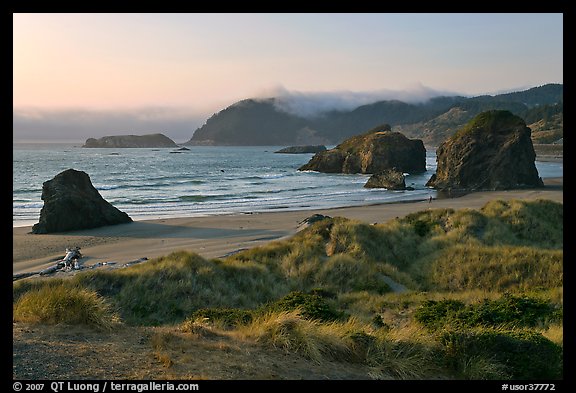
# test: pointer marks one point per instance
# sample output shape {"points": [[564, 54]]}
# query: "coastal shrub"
{"points": [[512, 311], [64, 303], [310, 306], [517, 354], [222, 316], [507, 311], [435, 314]]}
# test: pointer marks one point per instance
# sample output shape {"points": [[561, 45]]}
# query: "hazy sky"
{"points": [[81, 75]]}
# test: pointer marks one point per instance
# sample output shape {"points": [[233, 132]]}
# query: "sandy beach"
{"points": [[218, 236]]}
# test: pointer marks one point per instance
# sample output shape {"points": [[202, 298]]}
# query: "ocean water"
{"points": [[205, 180]]}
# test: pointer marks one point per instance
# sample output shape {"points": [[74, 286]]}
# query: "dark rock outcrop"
{"points": [[493, 151], [71, 202], [121, 141], [305, 223], [390, 179], [302, 149], [372, 152]]}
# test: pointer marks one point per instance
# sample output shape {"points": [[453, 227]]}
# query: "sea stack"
{"points": [[71, 203], [493, 151], [390, 179], [372, 152]]}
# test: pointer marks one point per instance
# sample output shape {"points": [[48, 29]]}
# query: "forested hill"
{"points": [[262, 122]]}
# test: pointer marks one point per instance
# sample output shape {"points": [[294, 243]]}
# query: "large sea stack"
{"points": [[71, 203], [372, 152], [493, 151]]}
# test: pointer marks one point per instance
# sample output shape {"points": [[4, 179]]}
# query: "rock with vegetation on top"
{"points": [[391, 179], [71, 203], [119, 141], [493, 151], [372, 152], [302, 149]]}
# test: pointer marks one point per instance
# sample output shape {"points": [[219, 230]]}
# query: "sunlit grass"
{"points": [[60, 302]]}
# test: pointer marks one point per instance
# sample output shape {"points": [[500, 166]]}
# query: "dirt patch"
{"points": [[158, 353]]}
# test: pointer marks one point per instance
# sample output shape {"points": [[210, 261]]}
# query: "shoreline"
{"points": [[220, 235]]}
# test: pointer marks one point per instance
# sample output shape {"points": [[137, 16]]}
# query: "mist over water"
{"points": [[211, 180]]}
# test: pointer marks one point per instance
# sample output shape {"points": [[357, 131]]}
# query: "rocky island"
{"points": [[372, 152], [493, 151], [122, 141]]}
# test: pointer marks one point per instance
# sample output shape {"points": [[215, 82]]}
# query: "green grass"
{"points": [[488, 119]]}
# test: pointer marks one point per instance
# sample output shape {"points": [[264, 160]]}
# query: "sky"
{"points": [[77, 76]]}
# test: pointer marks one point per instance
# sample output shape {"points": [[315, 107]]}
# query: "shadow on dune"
{"points": [[144, 230]]}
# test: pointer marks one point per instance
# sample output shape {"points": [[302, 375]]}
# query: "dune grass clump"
{"points": [[345, 341], [344, 273], [406, 353], [498, 268], [532, 222], [61, 302], [385, 243], [510, 354], [170, 288], [288, 330]]}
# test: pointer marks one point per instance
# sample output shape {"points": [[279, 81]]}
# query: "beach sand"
{"points": [[218, 236]]}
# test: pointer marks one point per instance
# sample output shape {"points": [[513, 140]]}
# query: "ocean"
{"points": [[149, 183]]}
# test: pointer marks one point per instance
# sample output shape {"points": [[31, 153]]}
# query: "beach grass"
{"points": [[61, 302], [439, 293]]}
